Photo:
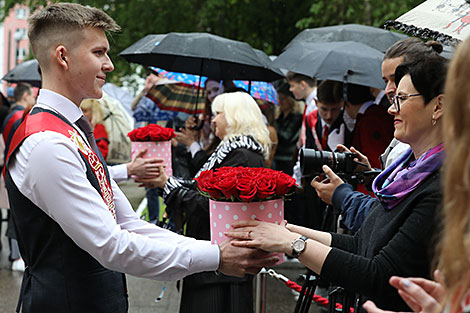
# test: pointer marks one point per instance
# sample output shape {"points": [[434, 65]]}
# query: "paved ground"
{"points": [[143, 292]]}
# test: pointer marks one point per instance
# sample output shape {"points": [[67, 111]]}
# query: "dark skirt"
{"points": [[210, 293]]}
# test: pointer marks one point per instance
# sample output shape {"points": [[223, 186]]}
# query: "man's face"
{"points": [[29, 98], [329, 112], [298, 89], [88, 64], [388, 74]]}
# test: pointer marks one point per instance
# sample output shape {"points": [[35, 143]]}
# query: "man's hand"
{"points": [[145, 168], [236, 261], [159, 181], [326, 187]]}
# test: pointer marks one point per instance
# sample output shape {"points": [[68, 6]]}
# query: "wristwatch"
{"points": [[298, 246]]}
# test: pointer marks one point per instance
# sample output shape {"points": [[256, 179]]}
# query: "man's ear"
{"points": [[438, 110], [60, 56]]}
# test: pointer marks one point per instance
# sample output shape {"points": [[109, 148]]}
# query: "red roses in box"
{"points": [[152, 132], [244, 184]]}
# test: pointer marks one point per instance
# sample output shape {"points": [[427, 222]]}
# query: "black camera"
{"points": [[311, 162]]}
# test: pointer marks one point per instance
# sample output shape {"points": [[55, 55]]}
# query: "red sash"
{"points": [[16, 116], [44, 121]]}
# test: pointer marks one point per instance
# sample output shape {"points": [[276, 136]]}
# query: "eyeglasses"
{"points": [[398, 100]]}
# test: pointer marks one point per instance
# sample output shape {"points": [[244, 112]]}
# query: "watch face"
{"points": [[298, 245]]}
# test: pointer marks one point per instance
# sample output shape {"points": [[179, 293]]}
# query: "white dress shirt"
{"points": [[49, 171]]}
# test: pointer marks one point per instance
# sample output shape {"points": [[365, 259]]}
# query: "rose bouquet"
{"points": [[156, 139], [151, 132], [243, 193], [244, 184]]}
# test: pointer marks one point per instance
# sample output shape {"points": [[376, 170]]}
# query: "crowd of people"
{"points": [[65, 203]]}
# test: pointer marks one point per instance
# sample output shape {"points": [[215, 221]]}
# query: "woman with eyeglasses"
{"points": [[396, 238]]}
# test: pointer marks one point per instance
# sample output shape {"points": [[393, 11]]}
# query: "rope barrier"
{"points": [[293, 285]]}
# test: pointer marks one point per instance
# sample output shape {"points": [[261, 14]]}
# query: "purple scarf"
{"points": [[403, 176]]}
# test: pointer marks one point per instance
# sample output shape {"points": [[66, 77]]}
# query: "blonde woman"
{"points": [[92, 109], [454, 250], [244, 142]]}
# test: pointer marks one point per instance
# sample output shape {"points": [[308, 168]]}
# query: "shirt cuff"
{"points": [[205, 257], [118, 172], [194, 148]]}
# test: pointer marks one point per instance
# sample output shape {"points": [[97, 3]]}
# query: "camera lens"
{"points": [[311, 161]]}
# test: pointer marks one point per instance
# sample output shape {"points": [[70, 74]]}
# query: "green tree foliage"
{"points": [[265, 24]]}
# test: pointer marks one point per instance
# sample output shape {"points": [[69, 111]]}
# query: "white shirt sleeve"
{"points": [[118, 172], [194, 148], [49, 171]]}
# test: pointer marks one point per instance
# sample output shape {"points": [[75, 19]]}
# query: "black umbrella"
{"points": [[202, 54], [26, 72], [343, 61], [374, 37]]}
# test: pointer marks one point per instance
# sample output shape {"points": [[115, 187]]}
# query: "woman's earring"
{"points": [[434, 122]]}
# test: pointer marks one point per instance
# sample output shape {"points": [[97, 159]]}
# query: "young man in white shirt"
{"points": [[76, 229]]}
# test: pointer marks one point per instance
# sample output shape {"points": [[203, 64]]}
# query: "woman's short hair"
{"points": [[428, 75], [96, 110], [243, 117]]}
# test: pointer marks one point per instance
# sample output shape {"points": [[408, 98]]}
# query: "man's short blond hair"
{"points": [[54, 25]]}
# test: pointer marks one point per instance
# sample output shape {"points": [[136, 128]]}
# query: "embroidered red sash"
{"points": [[44, 121]]}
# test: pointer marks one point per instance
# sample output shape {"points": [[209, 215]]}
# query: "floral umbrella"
{"points": [[446, 21]]}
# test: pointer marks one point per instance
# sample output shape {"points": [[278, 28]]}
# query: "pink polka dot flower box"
{"points": [[243, 193], [156, 139]]}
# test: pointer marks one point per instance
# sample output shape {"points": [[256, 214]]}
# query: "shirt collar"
{"points": [[311, 96], [365, 106], [60, 104]]}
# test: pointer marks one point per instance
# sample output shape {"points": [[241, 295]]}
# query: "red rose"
{"points": [[266, 185], [208, 183], [141, 134], [284, 184], [247, 188], [228, 185]]}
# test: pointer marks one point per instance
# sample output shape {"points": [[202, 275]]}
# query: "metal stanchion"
{"points": [[260, 301]]}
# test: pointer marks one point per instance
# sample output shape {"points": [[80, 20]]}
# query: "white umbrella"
{"points": [[446, 21]]}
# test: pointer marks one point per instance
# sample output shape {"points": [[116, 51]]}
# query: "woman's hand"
{"points": [[187, 136], [155, 182], [269, 237], [361, 158], [421, 295], [326, 187]]}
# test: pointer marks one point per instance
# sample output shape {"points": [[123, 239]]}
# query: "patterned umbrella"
{"points": [[259, 90], [177, 96], [443, 20]]}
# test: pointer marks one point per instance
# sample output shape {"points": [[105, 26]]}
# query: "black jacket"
{"points": [[398, 242]]}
